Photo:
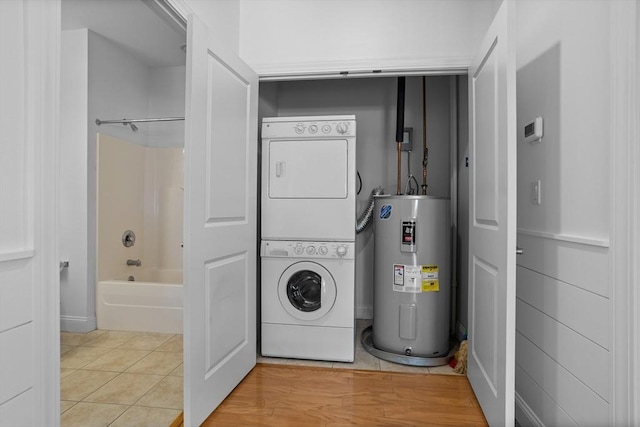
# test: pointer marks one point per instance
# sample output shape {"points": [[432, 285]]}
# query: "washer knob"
{"points": [[313, 129], [342, 127], [311, 250], [299, 128], [322, 250], [341, 251], [298, 250]]}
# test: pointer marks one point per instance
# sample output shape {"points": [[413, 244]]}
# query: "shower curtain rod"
{"points": [[128, 121]]}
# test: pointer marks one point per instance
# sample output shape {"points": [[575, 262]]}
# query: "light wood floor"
{"points": [[282, 395]]}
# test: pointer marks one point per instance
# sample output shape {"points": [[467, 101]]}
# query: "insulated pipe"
{"points": [[400, 111], [425, 152], [400, 130]]}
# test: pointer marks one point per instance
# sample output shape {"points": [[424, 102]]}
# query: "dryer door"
{"points": [[308, 169], [307, 290]]}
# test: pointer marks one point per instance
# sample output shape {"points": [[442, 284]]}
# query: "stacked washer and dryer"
{"points": [[308, 237]]}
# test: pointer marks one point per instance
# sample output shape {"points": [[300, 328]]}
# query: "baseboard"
{"points": [[364, 312], [78, 324], [525, 415]]}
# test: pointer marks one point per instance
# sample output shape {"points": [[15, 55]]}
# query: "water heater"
{"points": [[412, 279]]}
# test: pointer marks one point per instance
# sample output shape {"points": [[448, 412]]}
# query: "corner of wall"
{"points": [[222, 18], [75, 241]]}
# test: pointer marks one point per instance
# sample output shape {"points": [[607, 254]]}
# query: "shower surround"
{"points": [[140, 189]]}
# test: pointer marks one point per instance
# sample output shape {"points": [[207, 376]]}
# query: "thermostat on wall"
{"points": [[533, 130]]}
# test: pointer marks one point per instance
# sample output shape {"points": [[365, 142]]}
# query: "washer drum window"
{"points": [[304, 290], [307, 291]]}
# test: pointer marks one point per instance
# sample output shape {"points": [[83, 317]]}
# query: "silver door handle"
{"points": [[519, 250]]}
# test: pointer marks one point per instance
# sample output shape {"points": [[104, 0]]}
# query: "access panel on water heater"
{"points": [[308, 169]]}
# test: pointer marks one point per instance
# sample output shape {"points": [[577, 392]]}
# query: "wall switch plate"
{"points": [[533, 130], [407, 142], [536, 192]]}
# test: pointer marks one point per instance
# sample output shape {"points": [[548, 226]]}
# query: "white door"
{"points": [[492, 223], [220, 223], [29, 284]]}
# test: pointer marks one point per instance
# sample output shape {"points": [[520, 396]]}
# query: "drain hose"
{"points": [[365, 217]]}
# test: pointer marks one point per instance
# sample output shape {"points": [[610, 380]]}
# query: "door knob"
{"points": [[519, 250]]}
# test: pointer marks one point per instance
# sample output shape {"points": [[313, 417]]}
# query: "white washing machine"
{"points": [[308, 293], [309, 178]]}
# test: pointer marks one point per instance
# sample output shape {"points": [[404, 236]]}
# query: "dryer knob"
{"points": [[298, 250], [299, 128], [342, 127], [313, 129], [341, 251]]}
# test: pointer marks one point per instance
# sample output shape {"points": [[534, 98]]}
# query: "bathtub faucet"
{"points": [[135, 262]]}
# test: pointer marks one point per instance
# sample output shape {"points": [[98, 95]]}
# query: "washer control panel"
{"points": [[308, 250]]}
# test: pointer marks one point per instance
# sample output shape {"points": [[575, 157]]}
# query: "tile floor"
{"points": [[116, 378]]}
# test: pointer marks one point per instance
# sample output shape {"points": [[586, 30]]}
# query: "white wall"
{"points": [[76, 314], [106, 82], [166, 99], [222, 18], [373, 101], [563, 364], [287, 36]]}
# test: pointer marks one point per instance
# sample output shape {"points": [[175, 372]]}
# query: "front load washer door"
{"points": [[307, 291]]}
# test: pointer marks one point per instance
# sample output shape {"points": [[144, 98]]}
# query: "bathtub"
{"points": [[151, 303]]}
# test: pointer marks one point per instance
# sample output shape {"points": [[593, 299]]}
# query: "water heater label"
{"points": [[408, 243], [430, 281], [385, 211], [398, 275], [407, 278]]}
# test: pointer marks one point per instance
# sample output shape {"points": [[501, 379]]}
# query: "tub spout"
{"points": [[135, 262]]}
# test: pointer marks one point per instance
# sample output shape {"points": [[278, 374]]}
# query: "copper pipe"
{"points": [[425, 152]]}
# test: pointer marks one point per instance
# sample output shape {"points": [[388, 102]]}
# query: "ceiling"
{"points": [[134, 25]]}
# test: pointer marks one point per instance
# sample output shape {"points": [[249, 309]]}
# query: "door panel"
{"points": [[485, 183], [29, 282], [220, 223], [226, 140], [492, 223]]}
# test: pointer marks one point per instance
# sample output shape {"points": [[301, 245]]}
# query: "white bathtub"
{"points": [[151, 303]]}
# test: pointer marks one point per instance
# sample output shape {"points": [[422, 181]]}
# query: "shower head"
{"points": [[133, 126]]}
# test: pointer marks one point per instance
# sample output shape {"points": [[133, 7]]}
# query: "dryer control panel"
{"points": [[307, 250], [311, 126]]}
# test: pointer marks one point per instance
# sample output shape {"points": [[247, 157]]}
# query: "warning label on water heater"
{"points": [[430, 281], [415, 278]]}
